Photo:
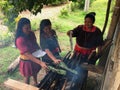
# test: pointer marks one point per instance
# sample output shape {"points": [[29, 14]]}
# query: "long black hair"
{"points": [[19, 31], [43, 24]]}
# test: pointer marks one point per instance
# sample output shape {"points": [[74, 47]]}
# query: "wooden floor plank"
{"points": [[16, 85]]}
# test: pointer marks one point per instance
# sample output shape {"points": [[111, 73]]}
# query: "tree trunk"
{"points": [[114, 22], [110, 80], [86, 6]]}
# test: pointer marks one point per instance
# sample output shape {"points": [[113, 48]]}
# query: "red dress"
{"points": [[27, 44]]}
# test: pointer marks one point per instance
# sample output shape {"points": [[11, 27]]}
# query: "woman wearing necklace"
{"points": [[88, 38]]}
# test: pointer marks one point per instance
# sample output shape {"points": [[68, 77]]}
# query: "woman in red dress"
{"points": [[25, 42]]}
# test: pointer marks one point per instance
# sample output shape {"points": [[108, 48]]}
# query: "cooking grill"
{"points": [[61, 77]]}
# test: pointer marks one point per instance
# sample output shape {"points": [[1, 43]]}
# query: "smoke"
{"points": [[76, 81]]}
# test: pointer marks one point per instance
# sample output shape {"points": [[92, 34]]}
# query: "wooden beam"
{"points": [[12, 67], [115, 20], [16, 85], [111, 75], [93, 68]]}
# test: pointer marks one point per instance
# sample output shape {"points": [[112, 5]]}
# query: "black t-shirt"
{"points": [[87, 39]]}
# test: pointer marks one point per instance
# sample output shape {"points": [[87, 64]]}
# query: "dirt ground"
{"points": [[46, 12]]}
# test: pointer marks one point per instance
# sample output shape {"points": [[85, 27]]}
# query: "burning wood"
{"points": [[58, 76], [65, 75]]}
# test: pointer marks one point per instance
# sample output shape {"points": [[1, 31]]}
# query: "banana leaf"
{"points": [[64, 66], [59, 71], [62, 69]]}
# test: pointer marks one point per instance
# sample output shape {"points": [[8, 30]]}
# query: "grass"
{"points": [[65, 23], [61, 25], [7, 56]]}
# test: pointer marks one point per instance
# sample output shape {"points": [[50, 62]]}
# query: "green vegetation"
{"points": [[12, 8], [61, 24], [7, 56], [6, 38]]}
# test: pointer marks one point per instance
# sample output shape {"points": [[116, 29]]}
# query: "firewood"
{"points": [[14, 65], [16, 85], [92, 68]]}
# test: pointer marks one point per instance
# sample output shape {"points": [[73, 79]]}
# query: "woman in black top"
{"points": [[88, 38]]}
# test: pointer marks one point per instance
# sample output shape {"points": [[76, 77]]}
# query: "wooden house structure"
{"points": [[111, 74]]}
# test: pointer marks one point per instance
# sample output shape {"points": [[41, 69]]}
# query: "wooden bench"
{"points": [[16, 85]]}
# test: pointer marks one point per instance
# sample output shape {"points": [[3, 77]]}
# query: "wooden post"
{"points": [[86, 6], [112, 69], [115, 18], [112, 28], [114, 21]]}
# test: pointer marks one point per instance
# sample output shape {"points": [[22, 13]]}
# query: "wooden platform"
{"points": [[16, 85]]}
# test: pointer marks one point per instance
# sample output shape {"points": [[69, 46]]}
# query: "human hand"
{"points": [[69, 33], [43, 65], [93, 51], [57, 61], [92, 55]]}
